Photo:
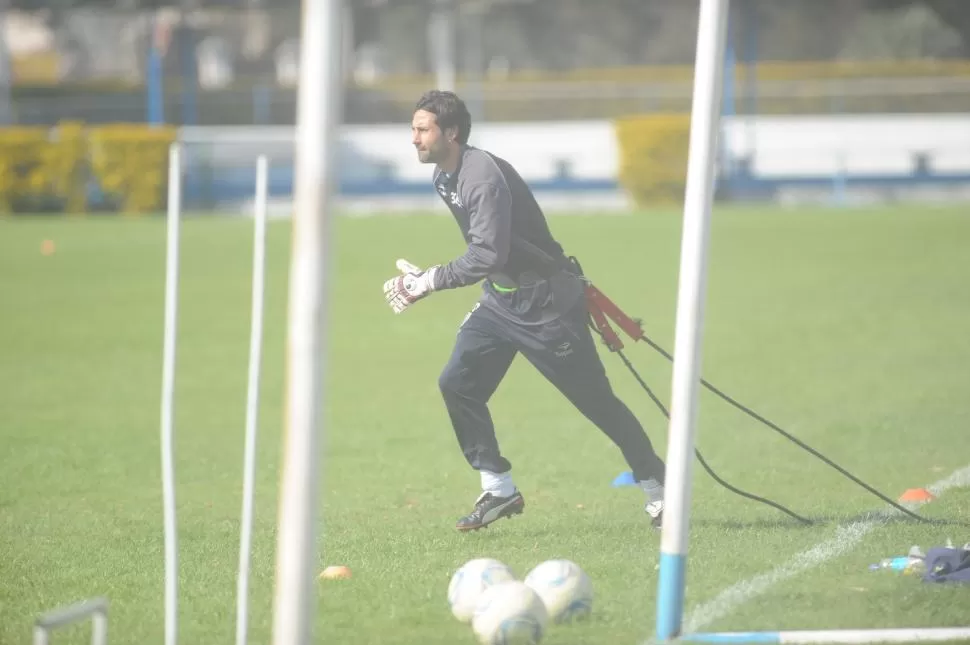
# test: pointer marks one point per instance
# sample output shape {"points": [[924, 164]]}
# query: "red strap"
{"points": [[599, 320], [606, 306]]}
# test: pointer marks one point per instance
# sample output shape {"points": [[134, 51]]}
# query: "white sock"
{"points": [[653, 489], [498, 484]]}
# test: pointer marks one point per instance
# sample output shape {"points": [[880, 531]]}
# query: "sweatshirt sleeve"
{"points": [[489, 205]]}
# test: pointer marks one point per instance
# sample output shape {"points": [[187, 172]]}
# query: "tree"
{"points": [[954, 13]]}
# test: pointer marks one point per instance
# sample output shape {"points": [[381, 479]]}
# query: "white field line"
{"points": [[846, 537]]}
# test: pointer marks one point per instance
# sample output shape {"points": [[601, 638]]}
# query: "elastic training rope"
{"points": [[801, 444], [792, 438], [697, 453], [763, 420], [700, 457]]}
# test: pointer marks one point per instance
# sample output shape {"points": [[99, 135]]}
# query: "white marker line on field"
{"points": [[846, 537]]}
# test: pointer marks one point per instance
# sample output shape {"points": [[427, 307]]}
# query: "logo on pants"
{"points": [[563, 350]]}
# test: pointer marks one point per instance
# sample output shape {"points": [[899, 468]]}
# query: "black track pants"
{"points": [[565, 353]]}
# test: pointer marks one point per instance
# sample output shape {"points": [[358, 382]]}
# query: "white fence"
{"points": [[765, 157]]}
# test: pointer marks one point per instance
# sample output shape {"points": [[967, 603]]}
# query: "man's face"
{"points": [[431, 143]]}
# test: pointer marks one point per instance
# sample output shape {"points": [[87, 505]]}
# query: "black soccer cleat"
{"points": [[489, 508]]}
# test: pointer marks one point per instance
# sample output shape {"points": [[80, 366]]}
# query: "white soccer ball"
{"points": [[470, 581], [510, 613], [565, 589]]}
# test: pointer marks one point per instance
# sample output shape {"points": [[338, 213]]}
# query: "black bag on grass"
{"points": [[944, 564]]}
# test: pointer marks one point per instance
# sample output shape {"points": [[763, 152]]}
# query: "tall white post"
{"points": [[169, 353], [252, 398], [441, 41], [705, 112], [318, 109]]}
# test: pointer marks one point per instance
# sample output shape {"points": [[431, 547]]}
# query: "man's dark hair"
{"points": [[449, 110]]}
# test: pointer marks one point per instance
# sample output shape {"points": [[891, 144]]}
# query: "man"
{"points": [[533, 303]]}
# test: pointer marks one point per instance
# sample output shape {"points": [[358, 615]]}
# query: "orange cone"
{"points": [[917, 495], [336, 572]]}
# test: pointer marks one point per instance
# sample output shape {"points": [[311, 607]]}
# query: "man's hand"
{"points": [[403, 290]]}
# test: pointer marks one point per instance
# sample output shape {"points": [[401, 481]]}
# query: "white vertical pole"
{"points": [[252, 400], [441, 37], [168, 394], [320, 100], [705, 111]]}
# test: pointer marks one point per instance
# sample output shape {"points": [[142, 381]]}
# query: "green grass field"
{"points": [[848, 328]]}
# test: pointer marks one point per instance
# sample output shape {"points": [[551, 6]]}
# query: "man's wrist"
{"points": [[430, 275]]}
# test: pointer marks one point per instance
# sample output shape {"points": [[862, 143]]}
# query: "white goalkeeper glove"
{"points": [[402, 291]]}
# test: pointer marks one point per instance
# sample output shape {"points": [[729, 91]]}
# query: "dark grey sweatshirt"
{"points": [[493, 206]]}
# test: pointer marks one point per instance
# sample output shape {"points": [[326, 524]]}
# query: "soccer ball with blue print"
{"points": [[470, 581], [565, 589], [509, 613]]}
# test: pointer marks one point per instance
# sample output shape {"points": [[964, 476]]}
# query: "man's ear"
{"points": [[451, 134]]}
